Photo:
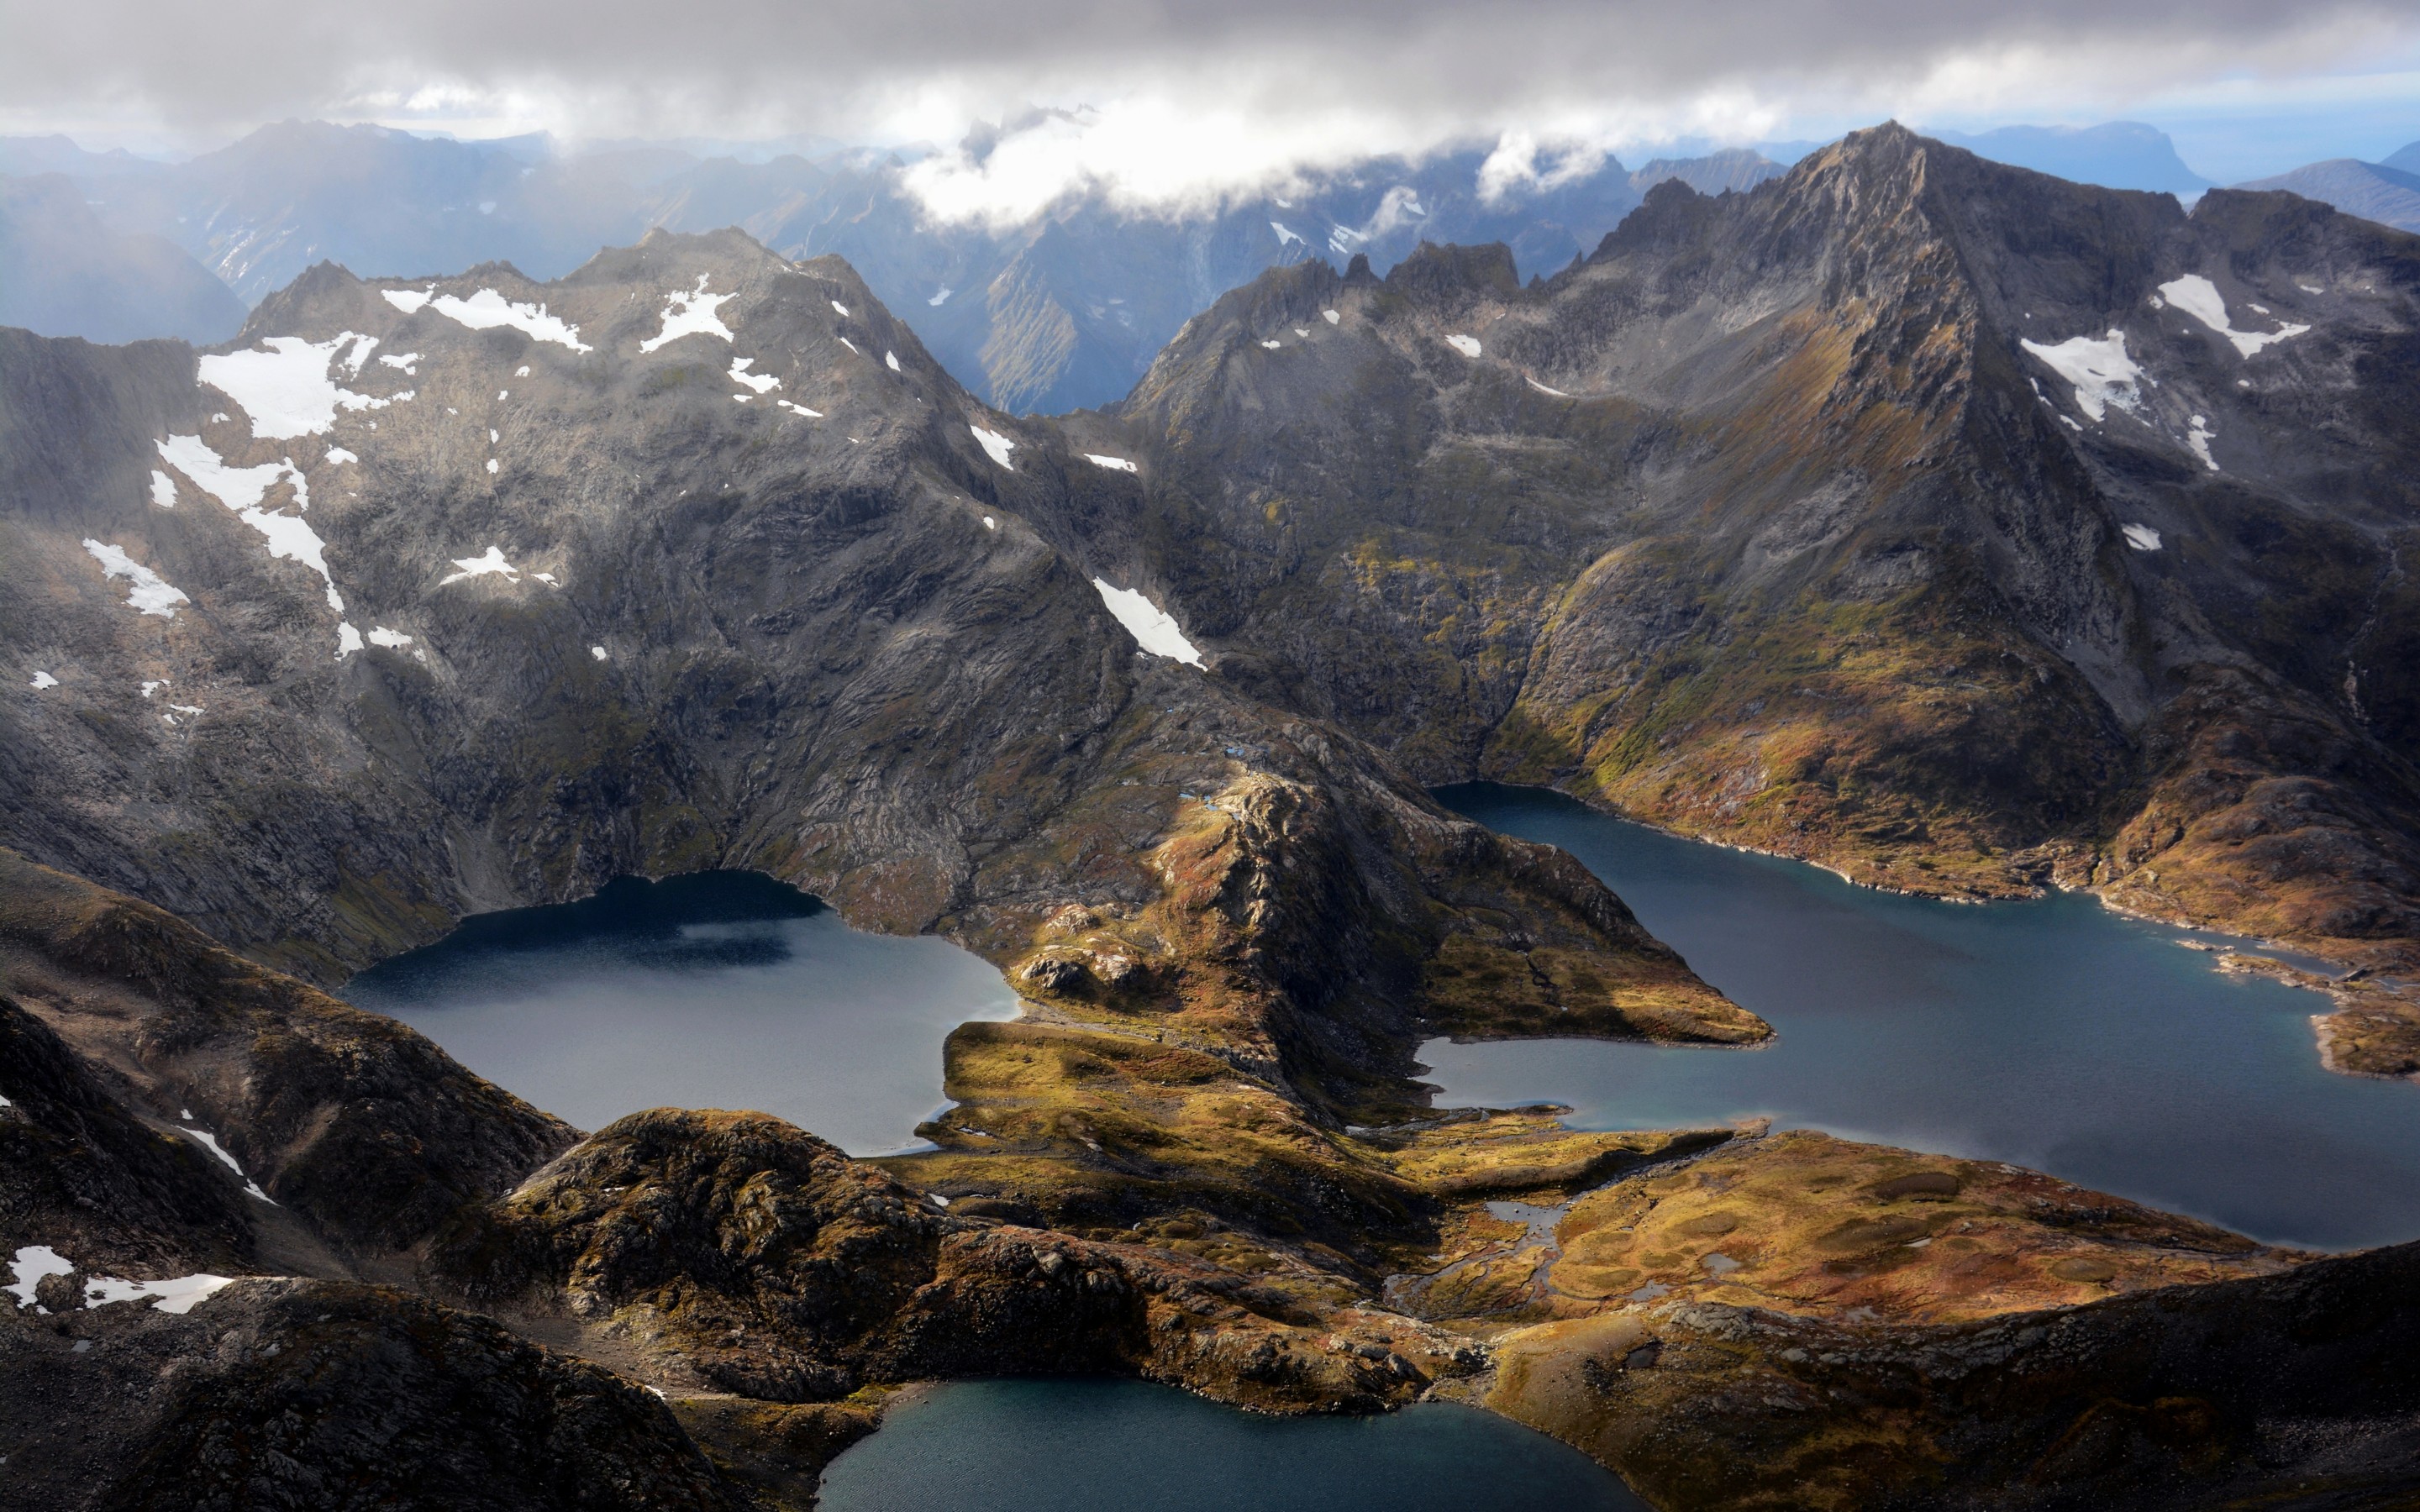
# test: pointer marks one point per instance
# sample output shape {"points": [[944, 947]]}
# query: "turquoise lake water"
{"points": [[718, 990], [2052, 1033], [1086, 1445]]}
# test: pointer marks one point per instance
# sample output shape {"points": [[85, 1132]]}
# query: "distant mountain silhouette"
{"points": [[2115, 155], [65, 273], [2373, 191]]}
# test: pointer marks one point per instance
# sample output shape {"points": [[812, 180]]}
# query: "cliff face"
{"points": [[357, 1125], [423, 600], [1955, 525]]}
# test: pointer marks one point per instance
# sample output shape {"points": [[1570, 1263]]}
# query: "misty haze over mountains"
{"points": [[1060, 311]]}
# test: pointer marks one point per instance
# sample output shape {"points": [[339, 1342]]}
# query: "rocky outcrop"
{"points": [[1801, 1321], [82, 1176], [1790, 518], [320, 1394], [358, 1125], [2295, 1390], [741, 1254]]}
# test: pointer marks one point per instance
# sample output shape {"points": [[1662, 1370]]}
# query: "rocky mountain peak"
{"points": [[2078, 423], [692, 557], [1446, 273]]}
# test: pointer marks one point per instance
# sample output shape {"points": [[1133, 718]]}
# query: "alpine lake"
{"points": [[2054, 1033]]}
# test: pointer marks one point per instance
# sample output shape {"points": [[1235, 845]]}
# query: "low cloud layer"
{"points": [[1158, 103]]}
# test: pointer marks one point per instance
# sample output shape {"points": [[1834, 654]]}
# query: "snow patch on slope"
{"points": [[177, 1294], [1153, 629], [760, 382], [691, 312], [488, 308], [241, 489], [285, 389], [998, 445], [2198, 297], [2098, 368], [481, 566], [33, 1263], [210, 1142], [145, 589]]}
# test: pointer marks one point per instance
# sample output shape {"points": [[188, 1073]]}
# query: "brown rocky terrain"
{"points": [[358, 1125], [1729, 1322], [1777, 520]]}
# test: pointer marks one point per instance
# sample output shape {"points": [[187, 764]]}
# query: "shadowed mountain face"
{"points": [[1950, 524]]}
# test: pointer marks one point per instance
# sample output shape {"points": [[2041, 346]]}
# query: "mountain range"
{"points": [[2379, 192], [1061, 310], [2117, 155], [1963, 529], [1868, 530], [65, 273]]}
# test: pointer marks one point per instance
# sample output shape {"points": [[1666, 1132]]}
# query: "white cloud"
{"points": [[1164, 104]]}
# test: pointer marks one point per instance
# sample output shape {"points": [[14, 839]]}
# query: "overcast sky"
{"points": [[1183, 99]]}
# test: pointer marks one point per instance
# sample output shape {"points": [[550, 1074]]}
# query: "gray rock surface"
{"points": [[1794, 518], [717, 568], [279, 1394]]}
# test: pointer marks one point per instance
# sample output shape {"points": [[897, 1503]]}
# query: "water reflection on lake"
{"points": [[721, 989], [2052, 1033]]}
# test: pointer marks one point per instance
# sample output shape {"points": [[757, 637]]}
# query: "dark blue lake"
{"points": [[1085, 1445], [2052, 1033], [718, 990]]}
